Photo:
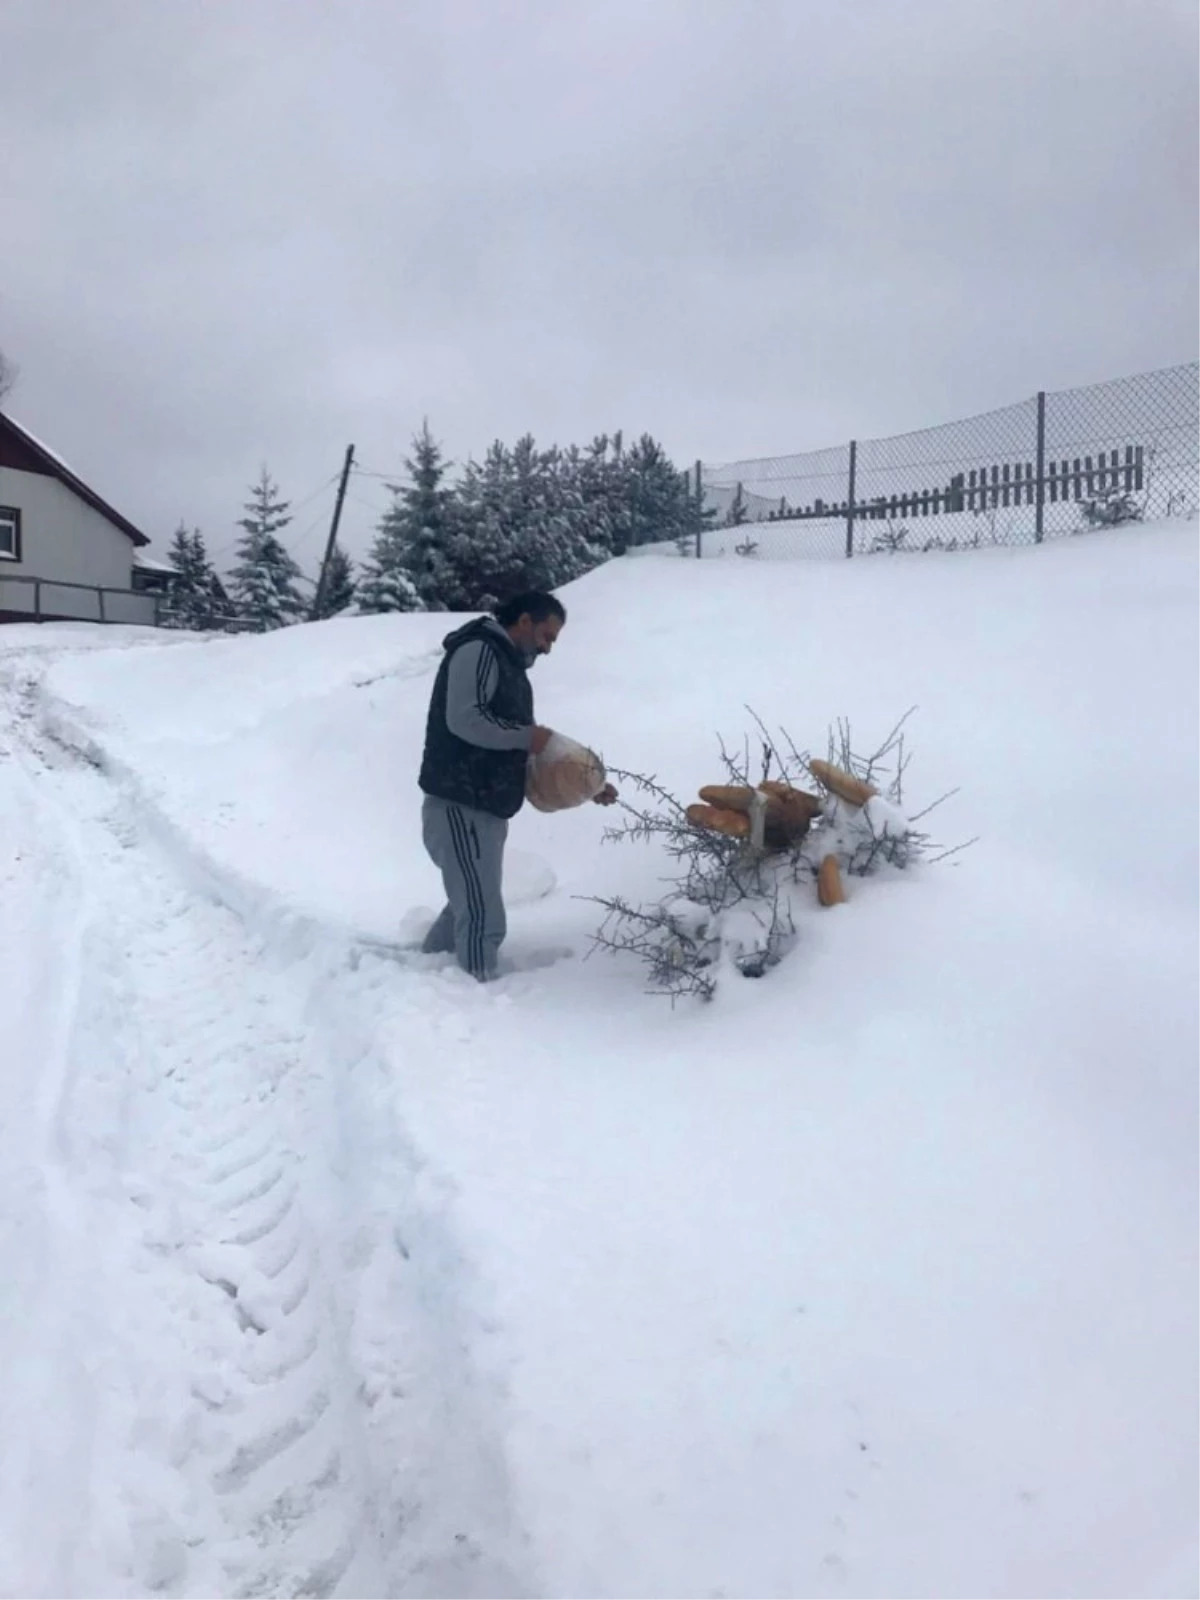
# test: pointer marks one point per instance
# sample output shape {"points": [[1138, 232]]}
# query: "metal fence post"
{"points": [[37, 599], [850, 499], [699, 512], [1040, 515], [103, 618]]}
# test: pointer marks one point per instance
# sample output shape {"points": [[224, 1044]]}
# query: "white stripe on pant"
{"points": [[468, 847]]}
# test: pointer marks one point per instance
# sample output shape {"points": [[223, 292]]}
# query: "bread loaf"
{"points": [[791, 802], [566, 774], [727, 796], [716, 819], [783, 791], [829, 883], [843, 784], [739, 797]]}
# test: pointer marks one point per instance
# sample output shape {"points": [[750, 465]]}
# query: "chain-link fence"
{"points": [[1120, 452]]}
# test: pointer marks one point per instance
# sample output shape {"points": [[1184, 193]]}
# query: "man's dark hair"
{"points": [[536, 603]]}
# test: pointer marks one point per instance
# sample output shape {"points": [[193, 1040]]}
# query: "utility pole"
{"points": [[333, 528]]}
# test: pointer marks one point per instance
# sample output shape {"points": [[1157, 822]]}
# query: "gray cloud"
{"points": [[257, 232]]}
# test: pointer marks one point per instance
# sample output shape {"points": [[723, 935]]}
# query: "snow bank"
{"points": [[879, 1275]]}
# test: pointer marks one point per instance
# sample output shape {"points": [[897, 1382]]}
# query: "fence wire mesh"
{"points": [[1059, 463]]}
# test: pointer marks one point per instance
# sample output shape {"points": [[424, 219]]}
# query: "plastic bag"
{"points": [[566, 774]]}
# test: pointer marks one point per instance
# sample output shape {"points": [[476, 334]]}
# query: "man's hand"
{"points": [[541, 738], [606, 797]]}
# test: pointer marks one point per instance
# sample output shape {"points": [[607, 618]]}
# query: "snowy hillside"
{"points": [[327, 1272]]}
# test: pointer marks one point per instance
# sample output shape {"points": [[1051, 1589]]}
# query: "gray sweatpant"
{"points": [[468, 846]]}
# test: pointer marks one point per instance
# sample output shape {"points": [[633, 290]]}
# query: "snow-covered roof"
{"points": [[148, 564], [58, 468], [41, 445]]}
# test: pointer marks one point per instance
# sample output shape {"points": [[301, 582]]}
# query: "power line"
{"points": [[294, 539], [329, 481], [366, 504], [299, 539]]}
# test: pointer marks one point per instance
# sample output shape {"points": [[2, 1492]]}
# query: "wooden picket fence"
{"points": [[1003, 484]]}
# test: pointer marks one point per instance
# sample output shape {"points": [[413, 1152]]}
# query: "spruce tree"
{"points": [[415, 532], [218, 606], [197, 598], [265, 578], [481, 554], [601, 478], [180, 611], [658, 497], [385, 584], [426, 509], [409, 568]]}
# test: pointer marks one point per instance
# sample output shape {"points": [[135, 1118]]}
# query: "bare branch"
{"points": [[689, 936]]}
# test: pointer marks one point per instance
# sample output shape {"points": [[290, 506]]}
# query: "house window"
{"points": [[10, 534]]}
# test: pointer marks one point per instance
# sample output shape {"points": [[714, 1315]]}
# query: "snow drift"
{"points": [[877, 1276]]}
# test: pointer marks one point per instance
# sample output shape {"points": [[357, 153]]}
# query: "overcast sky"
{"points": [[238, 231]]}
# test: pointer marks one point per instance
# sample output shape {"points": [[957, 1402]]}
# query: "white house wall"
{"points": [[61, 536], [64, 539]]}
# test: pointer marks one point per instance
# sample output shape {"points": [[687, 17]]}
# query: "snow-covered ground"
{"points": [[327, 1272]]}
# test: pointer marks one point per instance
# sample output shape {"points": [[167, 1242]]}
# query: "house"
{"points": [[65, 554], [150, 576]]}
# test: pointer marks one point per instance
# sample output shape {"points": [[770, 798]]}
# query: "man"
{"points": [[479, 735]]}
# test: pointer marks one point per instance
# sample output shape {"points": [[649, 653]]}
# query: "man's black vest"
{"points": [[487, 780]]}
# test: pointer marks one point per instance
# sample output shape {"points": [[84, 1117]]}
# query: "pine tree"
{"points": [[660, 504], [602, 484], [218, 605], [413, 537], [480, 550], [180, 611], [426, 509], [523, 518], [385, 584], [526, 518], [265, 578], [339, 586], [197, 599], [575, 532]]}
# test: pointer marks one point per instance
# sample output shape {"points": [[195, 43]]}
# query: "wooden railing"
{"points": [[42, 611]]}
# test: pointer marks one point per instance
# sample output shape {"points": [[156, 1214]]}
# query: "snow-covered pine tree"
{"points": [[575, 532], [339, 586], [385, 584], [220, 606], [265, 579], [539, 518], [601, 479], [549, 533], [481, 557], [180, 610], [507, 535], [413, 536], [543, 517], [197, 598], [213, 604], [659, 504]]}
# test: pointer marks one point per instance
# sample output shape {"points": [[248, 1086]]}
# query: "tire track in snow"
{"points": [[39, 1225], [254, 1429]]}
